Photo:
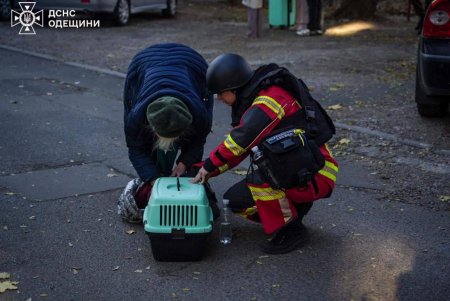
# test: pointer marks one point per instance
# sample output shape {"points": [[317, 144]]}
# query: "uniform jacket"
{"points": [[165, 70], [268, 109]]}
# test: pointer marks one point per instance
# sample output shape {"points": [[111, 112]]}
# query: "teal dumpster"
{"points": [[281, 13]]}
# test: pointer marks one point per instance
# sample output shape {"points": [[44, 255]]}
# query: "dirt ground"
{"points": [[365, 79]]}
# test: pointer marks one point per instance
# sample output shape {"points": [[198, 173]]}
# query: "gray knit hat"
{"points": [[168, 116]]}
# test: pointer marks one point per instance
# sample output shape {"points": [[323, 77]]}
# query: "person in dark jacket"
{"points": [[167, 110]]}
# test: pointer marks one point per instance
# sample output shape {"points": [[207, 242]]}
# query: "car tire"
{"points": [[122, 13], [432, 110], [171, 9], [5, 10], [429, 106]]}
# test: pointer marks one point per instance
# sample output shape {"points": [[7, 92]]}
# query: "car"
{"points": [[120, 10], [432, 92], [5, 10]]}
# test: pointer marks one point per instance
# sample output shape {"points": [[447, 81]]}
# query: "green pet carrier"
{"points": [[178, 220]]}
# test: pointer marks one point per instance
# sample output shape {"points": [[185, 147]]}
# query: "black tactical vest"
{"points": [[312, 117]]}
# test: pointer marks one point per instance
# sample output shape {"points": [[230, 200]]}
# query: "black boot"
{"points": [[289, 238]]}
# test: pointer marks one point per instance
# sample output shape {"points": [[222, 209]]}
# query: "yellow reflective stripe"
{"points": [[249, 212], [271, 104], [266, 194], [328, 175], [233, 146], [223, 168], [285, 209], [329, 150], [332, 166], [329, 170]]}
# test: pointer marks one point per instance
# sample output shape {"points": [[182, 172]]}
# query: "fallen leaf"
{"points": [[138, 271], [240, 172], [174, 296], [186, 289], [335, 107], [43, 295], [8, 285], [444, 198], [4, 275], [110, 175], [344, 141], [196, 273], [131, 231], [32, 217], [116, 268], [70, 244], [259, 262]]}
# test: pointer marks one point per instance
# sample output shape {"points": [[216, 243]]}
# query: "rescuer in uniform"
{"points": [[266, 102]]}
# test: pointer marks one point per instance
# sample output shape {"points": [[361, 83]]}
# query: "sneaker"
{"points": [[126, 205], [289, 238], [303, 32]]}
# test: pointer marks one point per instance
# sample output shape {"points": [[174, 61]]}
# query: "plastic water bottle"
{"points": [[257, 153], [261, 162], [225, 225]]}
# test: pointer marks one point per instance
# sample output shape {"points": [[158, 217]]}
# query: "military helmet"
{"points": [[228, 71]]}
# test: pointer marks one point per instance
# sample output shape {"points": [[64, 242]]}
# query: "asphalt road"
{"points": [[64, 162]]}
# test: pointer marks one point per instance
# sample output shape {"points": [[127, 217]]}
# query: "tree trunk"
{"points": [[356, 9]]}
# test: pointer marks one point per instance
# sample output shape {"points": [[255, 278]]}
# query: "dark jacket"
{"points": [[165, 70]]}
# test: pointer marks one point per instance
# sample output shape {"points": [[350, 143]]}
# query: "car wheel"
{"points": [[432, 110], [5, 10], [171, 9], [122, 12], [429, 106]]}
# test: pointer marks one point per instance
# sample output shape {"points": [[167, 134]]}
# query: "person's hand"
{"points": [[202, 176], [179, 170]]}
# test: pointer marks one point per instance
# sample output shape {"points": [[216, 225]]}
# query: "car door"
{"points": [[59, 4], [144, 3]]}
